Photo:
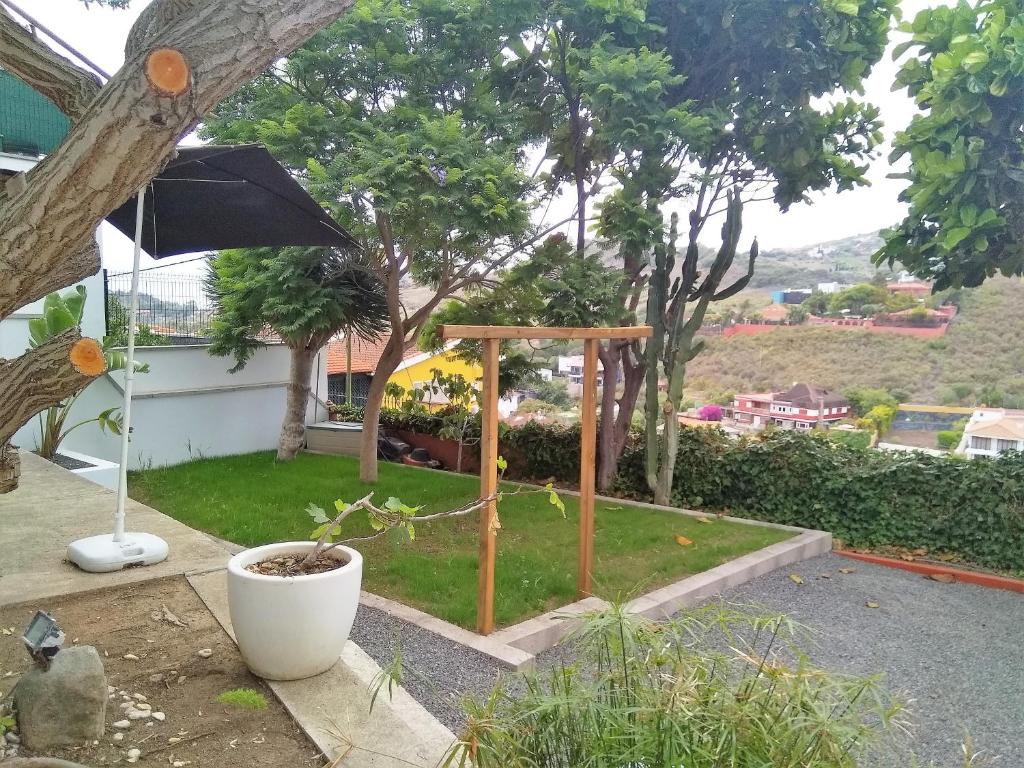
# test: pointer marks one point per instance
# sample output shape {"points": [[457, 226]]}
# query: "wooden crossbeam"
{"points": [[528, 332]]}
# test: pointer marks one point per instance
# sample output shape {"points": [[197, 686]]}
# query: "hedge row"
{"points": [[865, 498]]}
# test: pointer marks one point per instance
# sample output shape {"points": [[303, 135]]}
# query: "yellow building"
{"points": [[415, 371]]}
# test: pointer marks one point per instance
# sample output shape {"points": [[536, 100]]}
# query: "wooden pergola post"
{"points": [[491, 337]]}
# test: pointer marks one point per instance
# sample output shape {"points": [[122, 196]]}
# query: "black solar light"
{"points": [[43, 638]]}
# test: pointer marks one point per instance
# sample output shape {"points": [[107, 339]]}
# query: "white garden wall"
{"points": [[189, 406]]}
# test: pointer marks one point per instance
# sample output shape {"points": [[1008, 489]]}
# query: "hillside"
{"points": [[847, 260], [983, 348]]}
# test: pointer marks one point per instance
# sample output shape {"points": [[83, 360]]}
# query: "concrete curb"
{"points": [[334, 708], [542, 632]]}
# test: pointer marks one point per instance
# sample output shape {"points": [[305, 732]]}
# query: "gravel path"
{"points": [[955, 649], [437, 672]]}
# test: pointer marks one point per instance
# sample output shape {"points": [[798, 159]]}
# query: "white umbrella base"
{"points": [[101, 554]]}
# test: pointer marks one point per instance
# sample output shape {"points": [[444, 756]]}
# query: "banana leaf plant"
{"points": [[61, 312]]}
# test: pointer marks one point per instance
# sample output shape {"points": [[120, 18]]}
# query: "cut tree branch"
{"points": [[64, 83], [43, 377]]}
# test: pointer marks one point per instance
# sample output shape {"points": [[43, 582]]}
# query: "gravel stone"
{"points": [[436, 672], [205, 653], [956, 651]]}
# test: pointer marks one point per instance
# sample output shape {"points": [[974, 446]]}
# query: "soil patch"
{"points": [[291, 565], [150, 636]]}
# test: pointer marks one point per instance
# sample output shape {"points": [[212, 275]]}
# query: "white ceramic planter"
{"points": [[295, 627]]}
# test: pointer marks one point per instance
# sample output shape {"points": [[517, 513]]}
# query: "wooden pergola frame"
{"points": [[491, 337]]}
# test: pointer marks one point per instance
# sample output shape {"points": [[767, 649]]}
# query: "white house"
{"points": [[992, 431]]}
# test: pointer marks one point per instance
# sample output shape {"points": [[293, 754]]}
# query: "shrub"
{"points": [[866, 498], [553, 391], [949, 439], [710, 412], [667, 694], [858, 439]]}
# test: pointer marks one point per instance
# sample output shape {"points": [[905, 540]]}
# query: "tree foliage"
{"points": [[966, 151], [305, 295]]}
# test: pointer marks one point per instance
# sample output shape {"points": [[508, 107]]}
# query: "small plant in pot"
{"points": [[292, 604]]}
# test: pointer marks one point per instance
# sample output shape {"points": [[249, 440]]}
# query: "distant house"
{"points": [[753, 409], [571, 367], [414, 372], [791, 296], [916, 288], [992, 431], [801, 407]]}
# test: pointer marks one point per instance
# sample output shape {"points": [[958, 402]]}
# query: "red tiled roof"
{"points": [[365, 354]]}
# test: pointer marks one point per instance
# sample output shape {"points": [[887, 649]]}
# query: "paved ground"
{"points": [[52, 508], [955, 649]]}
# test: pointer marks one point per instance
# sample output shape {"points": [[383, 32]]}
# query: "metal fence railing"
{"points": [[173, 308]]}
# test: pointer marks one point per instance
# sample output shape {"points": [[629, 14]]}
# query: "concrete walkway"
{"points": [[53, 507]]}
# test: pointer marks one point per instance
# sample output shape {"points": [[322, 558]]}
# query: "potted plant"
{"points": [[292, 604]]}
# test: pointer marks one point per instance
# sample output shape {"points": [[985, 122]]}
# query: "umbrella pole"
{"points": [[129, 374], [105, 553]]}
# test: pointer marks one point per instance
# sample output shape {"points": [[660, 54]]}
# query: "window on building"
{"points": [[1006, 445], [981, 443]]}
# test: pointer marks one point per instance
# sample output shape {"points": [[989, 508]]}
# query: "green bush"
{"points": [[858, 439], [865, 498], [949, 438], [666, 694]]}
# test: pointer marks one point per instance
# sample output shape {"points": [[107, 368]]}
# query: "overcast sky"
{"points": [[99, 34]]}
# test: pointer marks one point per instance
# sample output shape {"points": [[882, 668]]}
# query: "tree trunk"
{"points": [[613, 429], [607, 459], [389, 361], [121, 134], [293, 428]]}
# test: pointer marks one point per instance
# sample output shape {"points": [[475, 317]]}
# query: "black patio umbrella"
{"points": [[206, 198], [214, 197]]}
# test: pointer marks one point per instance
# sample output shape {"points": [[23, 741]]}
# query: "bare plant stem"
{"points": [[391, 519]]}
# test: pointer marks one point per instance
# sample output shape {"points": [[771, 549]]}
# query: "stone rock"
{"points": [[64, 705], [118, 736], [205, 653], [159, 716], [134, 754], [131, 657], [12, 737], [138, 714], [122, 724]]}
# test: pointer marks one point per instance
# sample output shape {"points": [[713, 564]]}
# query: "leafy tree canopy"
{"points": [[305, 295], [392, 116], [966, 218]]}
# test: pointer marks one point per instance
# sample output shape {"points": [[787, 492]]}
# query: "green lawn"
{"points": [[252, 500]]}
